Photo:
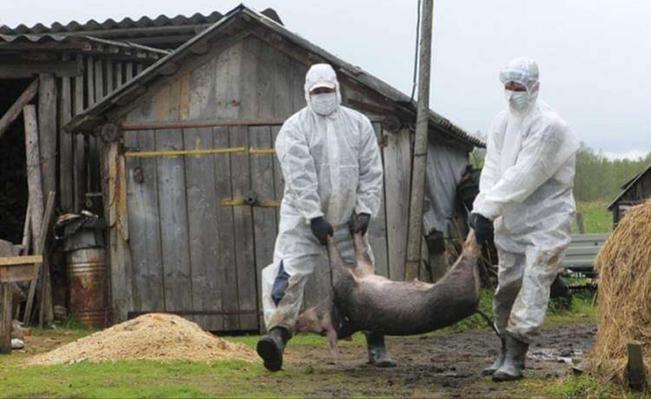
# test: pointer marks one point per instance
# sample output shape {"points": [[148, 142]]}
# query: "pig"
{"points": [[363, 301]]}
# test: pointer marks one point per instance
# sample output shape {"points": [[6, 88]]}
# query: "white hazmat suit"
{"points": [[526, 189], [332, 167]]}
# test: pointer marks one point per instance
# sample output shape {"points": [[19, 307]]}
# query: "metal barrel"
{"points": [[88, 286]]}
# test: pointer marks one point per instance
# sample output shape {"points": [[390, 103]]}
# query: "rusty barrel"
{"points": [[87, 279]]}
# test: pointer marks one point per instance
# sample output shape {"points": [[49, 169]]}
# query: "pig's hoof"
{"points": [[271, 353]]}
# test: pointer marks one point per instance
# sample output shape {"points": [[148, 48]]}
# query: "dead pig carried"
{"points": [[364, 301]]}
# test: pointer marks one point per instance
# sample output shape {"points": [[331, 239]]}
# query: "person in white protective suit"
{"points": [[525, 193], [332, 169]]}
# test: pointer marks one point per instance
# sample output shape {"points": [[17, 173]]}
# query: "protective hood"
{"points": [[322, 75], [524, 71]]}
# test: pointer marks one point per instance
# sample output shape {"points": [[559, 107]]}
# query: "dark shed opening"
{"points": [[13, 174]]}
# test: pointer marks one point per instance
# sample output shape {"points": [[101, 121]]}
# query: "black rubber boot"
{"points": [[516, 352], [499, 360], [377, 353], [271, 347]]}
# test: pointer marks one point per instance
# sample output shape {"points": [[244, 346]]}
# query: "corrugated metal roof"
{"points": [[80, 43], [92, 116], [126, 23]]}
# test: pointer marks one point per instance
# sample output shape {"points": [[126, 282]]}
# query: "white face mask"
{"points": [[324, 104], [518, 100]]}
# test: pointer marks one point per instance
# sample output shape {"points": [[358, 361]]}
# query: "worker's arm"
{"points": [[369, 188], [490, 170], [545, 149], [299, 171]]}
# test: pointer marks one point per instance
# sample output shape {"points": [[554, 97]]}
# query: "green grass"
{"points": [[596, 217], [581, 309], [585, 386]]}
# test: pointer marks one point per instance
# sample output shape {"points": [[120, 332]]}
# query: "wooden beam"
{"points": [[35, 187], [79, 154], [47, 130], [5, 318], [12, 113], [47, 220], [635, 367], [20, 260], [147, 125], [24, 70], [65, 146]]}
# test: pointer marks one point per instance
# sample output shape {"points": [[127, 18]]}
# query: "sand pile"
{"points": [[624, 295], [152, 336]]}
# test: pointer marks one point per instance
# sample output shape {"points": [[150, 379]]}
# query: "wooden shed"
{"points": [[191, 186], [634, 192]]}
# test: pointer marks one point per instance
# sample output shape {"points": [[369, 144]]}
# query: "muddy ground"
{"points": [[433, 365], [442, 366]]}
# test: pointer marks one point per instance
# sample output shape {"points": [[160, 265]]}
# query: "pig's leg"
{"points": [[364, 263], [332, 343]]}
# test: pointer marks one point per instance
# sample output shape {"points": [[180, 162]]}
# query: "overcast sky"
{"points": [[594, 55]]}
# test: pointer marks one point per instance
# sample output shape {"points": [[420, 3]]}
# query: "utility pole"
{"points": [[414, 235]]}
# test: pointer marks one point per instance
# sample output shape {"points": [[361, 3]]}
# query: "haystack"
{"points": [[624, 295], [153, 336]]}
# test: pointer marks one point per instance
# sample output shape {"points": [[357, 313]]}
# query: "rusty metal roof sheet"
{"points": [[93, 116]]}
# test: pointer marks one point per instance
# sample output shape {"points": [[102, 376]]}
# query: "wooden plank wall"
{"points": [[78, 156], [188, 250]]}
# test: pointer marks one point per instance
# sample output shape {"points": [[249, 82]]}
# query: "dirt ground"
{"points": [[433, 365], [444, 366]]}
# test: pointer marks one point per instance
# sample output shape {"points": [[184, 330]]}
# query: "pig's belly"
{"points": [[407, 308]]}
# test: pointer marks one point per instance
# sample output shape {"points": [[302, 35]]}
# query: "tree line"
{"points": [[597, 177]]}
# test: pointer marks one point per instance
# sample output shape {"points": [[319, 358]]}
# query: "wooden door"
{"points": [[202, 221], [203, 218]]}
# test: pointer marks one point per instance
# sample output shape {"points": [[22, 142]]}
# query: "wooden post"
{"points": [[34, 178], [12, 113], [420, 146], [79, 179], [43, 270], [579, 223], [5, 317], [635, 367], [47, 129], [33, 160], [65, 146]]}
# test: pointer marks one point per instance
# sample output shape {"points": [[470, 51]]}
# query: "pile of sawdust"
{"points": [[624, 295], [152, 336]]}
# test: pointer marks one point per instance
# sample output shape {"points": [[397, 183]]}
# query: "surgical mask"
{"points": [[518, 100], [324, 104]]}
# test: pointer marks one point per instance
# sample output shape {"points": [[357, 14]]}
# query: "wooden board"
{"points": [[397, 166], [226, 261], [174, 222], [79, 152], [66, 188], [17, 107], [47, 130], [20, 260], [18, 273], [119, 259], [207, 283], [5, 318], [377, 234], [262, 183], [144, 227], [243, 232]]}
